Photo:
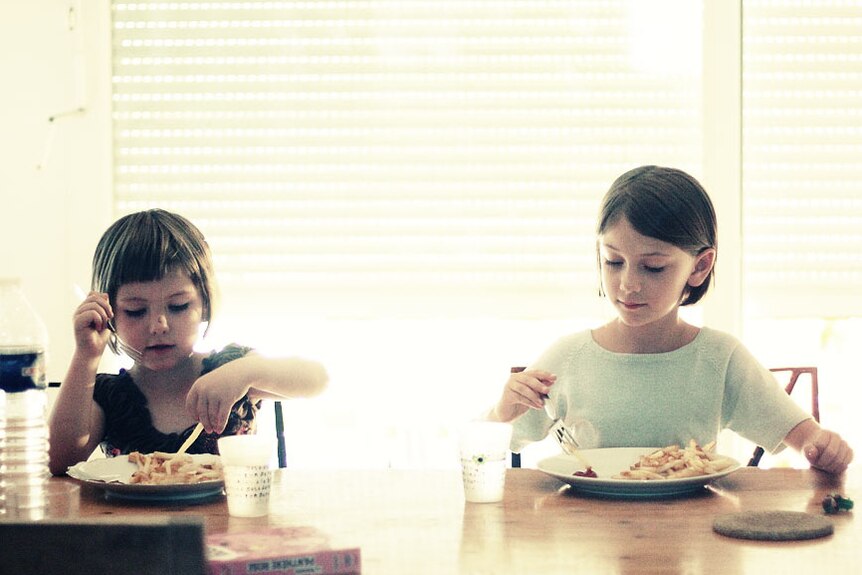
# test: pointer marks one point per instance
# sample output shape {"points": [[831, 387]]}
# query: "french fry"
{"points": [[161, 468], [674, 462]]}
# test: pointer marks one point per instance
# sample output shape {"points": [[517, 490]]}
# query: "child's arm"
{"points": [[523, 391], [76, 423], [212, 396], [824, 449]]}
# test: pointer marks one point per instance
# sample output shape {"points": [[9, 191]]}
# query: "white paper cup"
{"points": [[247, 476], [484, 450]]}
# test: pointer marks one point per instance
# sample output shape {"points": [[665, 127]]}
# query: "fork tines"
{"points": [[564, 436], [133, 353], [570, 445]]}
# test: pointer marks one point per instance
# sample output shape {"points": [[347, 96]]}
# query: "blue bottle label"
{"points": [[22, 369]]}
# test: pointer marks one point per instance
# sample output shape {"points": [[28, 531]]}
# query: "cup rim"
{"points": [[248, 449]]}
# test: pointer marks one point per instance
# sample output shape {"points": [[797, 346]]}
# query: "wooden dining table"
{"points": [[417, 521]]}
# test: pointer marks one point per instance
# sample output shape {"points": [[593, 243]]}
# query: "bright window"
{"points": [[802, 194], [802, 128], [406, 190], [428, 159]]}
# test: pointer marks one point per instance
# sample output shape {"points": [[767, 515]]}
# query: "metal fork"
{"points": [[567, 440], [570, 444], [134, 354], [565, 437]]}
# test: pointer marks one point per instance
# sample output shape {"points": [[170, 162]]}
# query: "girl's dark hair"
{"points": [[145, 246], [666, 204]]}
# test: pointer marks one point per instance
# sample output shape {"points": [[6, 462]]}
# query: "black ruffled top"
{"points": [[129, 426]]}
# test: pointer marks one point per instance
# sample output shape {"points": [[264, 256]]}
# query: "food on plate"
{"points": [[588, 472], [161, 468], [675, 462]]}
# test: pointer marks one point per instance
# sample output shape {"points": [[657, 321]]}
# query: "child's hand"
{"points": [[524, 390], [212, 396], [827, 451], [90, 323]]}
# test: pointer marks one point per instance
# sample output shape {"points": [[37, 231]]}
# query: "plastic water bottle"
{"points": [[23, 397]]}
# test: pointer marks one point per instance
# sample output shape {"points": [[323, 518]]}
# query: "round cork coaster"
{"points": [[772, 525]]}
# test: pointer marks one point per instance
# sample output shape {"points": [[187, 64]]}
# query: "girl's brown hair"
{"points": [[145, 246], [666, 204]]}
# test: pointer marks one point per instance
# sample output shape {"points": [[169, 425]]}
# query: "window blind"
{"points": [[400, 158], [802, 142]]}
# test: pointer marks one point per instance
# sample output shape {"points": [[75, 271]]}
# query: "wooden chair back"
{"points": [[279, 435], [516, 457], [794, 373]]}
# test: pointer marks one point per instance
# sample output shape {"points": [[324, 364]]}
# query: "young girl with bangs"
{"points": [[648, 378], [154, 288]]}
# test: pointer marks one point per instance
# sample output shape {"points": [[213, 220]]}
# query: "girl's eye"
{"points": [[613, 263], [135, 312], [178, 307], [654, 270]]}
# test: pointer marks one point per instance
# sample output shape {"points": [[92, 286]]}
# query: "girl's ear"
{"points": [[702, 267]]}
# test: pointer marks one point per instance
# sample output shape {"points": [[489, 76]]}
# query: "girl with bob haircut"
{"points": [[153, 289], [647, 377]]}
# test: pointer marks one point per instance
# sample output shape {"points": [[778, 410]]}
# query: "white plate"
{"points": [[113, 475], [609, 462]]}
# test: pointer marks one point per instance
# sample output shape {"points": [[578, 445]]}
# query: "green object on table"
{"points": [[834, 503]]}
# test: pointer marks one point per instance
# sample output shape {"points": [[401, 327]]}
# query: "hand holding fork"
{"points": [[101, 300], [565, 437]]}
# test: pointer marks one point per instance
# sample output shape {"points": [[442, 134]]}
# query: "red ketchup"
{"points": [[586, 473]]}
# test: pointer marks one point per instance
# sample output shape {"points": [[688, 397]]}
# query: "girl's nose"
{"points": [[629, 282], [159, 324]]}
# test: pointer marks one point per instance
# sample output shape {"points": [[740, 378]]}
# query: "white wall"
{"points": [[55, 59]]}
